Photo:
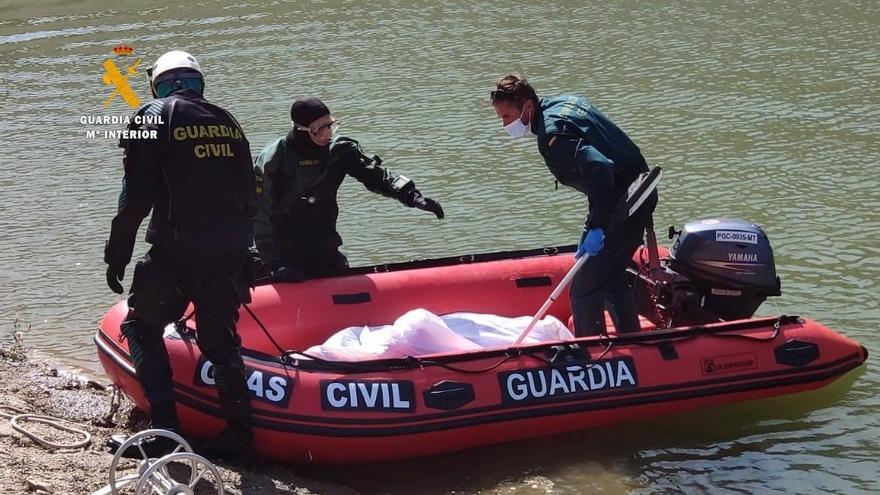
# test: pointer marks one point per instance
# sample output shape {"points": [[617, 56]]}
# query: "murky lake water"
{"points": [[767, 111]]}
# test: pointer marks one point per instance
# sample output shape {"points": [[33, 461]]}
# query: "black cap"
{"points": [[306, 110]]}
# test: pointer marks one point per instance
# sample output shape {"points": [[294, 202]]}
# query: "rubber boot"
{"points": [[163, 416], [235, 443]]}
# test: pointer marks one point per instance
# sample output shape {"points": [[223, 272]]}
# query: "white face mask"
{"points": [[517, 129]]}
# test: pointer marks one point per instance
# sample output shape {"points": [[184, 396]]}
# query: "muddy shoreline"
{"points": [[33, 383]]}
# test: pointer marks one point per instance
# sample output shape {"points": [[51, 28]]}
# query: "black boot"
{"points": [[163, 416], [235, 443]]}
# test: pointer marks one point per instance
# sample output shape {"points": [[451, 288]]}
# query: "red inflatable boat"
{"points": [[699, 346]]}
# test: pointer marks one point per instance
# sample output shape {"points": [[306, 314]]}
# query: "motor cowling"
{"points": [[728, 262]]}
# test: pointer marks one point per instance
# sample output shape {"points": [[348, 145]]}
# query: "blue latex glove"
{"points": [[591, 243]]}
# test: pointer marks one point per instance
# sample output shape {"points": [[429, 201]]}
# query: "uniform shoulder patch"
{"points": [[154, 107]]}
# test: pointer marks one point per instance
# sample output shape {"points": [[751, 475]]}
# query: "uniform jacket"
{"points": [[587, 151], [296, 221], [196, 176]]}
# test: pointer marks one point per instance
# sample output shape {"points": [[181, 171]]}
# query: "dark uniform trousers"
{"points": [[323, 261], [163, 285], [602, 281]]}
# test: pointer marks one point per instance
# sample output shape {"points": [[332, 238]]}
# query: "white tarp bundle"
{"points": [[420, 332]]}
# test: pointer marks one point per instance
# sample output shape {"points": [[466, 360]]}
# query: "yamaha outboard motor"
{"points": [[717, 269]]}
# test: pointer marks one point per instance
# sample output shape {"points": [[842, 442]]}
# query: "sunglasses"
{"points": [[318, 130]]}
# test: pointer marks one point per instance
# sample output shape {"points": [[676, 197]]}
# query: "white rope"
{"points": [[9, 408], [54, 423], [20, 416]]}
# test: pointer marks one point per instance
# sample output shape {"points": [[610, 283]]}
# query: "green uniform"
{"points": [[296, 222], [585, 150]]}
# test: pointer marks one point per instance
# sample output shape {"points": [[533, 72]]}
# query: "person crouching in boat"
{"points": [[586, 151], [295, 227], [197, 178]]}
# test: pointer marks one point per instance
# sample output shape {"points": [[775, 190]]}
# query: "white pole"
{"points": [[638, 192], [553, 295]]}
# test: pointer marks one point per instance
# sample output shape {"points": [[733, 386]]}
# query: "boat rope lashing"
{"points": [[283, 355], [456, 369], [676, 340], [605, 350], [17, 419], [776, 327], [448, 261], [404, 363], [697, 331], [410, 362]]}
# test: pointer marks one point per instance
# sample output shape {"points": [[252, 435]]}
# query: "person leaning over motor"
{"points": [[586, 151], [197, 178], [295, 227]]}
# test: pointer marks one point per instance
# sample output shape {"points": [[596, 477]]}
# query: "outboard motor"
{"points": [[718, 269]]}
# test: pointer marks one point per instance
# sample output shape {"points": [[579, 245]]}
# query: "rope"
{"points": [[607, 342], [9, 408], [467, 371], [284, 355], [287, 356], [411, 362], [20, 417], [405, 363], [697, 332]]}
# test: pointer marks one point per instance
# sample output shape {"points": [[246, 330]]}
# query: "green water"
{"points": [[766, 111]]}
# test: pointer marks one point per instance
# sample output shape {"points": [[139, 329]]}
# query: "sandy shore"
{"points": [[31, 383]]}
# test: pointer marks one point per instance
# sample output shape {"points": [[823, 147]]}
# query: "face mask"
{"points": [[517, 129]]}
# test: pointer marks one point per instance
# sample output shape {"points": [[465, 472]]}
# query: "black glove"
{"points": [[288, 274], [428, 204], [115, 274]]}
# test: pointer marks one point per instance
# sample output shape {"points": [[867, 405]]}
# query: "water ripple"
{"points": [[762, 111]]}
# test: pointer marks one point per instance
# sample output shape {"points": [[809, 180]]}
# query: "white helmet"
{"points": [[175, 59]]}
